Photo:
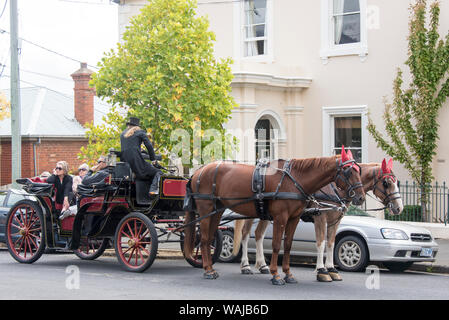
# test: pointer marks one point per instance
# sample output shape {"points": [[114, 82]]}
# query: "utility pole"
{"points": [[16, 139]]}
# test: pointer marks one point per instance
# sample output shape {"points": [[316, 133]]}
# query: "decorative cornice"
{"points": [[290, 110], [260, 79], [245, 108]]}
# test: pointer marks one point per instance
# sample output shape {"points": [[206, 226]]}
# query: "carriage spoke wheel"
{"points": [[24, 231], [215, 248], [91, 249], [136, 242]]}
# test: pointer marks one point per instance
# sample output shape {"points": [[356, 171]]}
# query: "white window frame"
{"points": [[328, 47], [239, 33], [328, 115]]}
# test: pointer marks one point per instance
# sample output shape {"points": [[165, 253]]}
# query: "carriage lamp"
{"points": [[394, 234]]}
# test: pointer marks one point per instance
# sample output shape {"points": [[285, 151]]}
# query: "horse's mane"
{"points": [[302, 165]]}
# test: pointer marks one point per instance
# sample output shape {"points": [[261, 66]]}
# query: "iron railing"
{"points": [[434, 209]]}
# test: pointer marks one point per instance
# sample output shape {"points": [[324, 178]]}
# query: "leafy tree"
{"points": [[411, 121], [166, 74], [5, 107], [103, 137]]}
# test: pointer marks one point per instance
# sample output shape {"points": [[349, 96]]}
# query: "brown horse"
{"points": [[229, 183], [378, 178]]}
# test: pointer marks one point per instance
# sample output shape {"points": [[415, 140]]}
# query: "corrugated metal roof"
{"points": [[48, 113]]}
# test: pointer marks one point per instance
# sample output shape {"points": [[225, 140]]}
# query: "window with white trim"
{"points": [[253, 30], [348, 133], [255, 27], [343, 25], [345, 126]]}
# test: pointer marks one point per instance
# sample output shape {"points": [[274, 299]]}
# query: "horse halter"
{"points": [[380, 176], [344, 172]]}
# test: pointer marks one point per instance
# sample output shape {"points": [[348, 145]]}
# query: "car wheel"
{"points": [[394, 266], [227, 248], [351, 254]]}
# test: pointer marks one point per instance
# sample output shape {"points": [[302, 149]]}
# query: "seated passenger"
{"points": [[97, 173], [63, 184]]}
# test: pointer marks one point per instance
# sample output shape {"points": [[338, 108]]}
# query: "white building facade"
{"points": [[310, 71]]}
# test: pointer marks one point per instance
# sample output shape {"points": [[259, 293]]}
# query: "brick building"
{"points": [[52, 127]]}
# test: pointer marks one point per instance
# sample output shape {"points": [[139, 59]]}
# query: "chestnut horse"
{"points": [[228, 183], [378, 178]]}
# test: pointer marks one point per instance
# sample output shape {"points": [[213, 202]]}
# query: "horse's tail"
{"points": [[238, 230]]}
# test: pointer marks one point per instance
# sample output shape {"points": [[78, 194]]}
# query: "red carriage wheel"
{"points": [[136, 242], [91, 249], [25, 236], [197, 260]]}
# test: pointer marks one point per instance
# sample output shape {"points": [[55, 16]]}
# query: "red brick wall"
{"points": [[48, 153]]}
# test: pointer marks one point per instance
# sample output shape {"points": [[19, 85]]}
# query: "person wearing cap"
{"points": [[131, 140]]}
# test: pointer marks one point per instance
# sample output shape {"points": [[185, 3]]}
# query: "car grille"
{"points": [[421, 237]]}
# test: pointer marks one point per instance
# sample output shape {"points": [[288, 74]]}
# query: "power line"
{"points": [[49, 50], [61, 93], [4, 7], [39, 73]]}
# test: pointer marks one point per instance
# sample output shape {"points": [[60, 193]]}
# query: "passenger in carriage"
{"points": [[82, 172], [97, 173], [63, 185], [131, 140]]}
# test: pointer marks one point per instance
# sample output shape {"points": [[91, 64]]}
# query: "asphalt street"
{"points": [[63, 276]]}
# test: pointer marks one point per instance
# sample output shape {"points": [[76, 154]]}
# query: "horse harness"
{"points": [[261, 198], [381, 177]]}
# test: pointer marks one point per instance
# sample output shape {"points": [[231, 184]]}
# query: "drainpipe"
{"points": [[35, 156]]}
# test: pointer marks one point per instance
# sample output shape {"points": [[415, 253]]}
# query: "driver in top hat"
{"points": [[131, 140]]}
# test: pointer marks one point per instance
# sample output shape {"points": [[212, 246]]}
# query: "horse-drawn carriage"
{"points": [[118, 212], [122, 212]]}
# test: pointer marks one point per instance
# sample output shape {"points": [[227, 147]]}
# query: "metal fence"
{"points": [[437, 203]]}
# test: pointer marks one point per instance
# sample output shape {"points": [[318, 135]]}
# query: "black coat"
{"points": [[95, 177], [131, 153], [63, 189]]}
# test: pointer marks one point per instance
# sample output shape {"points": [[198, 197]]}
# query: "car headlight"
{"points": [[393, 234]]}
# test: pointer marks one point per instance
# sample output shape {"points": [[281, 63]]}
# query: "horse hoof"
{"points": [[264, 270], [290, 279], [333, 273], [323, 275], [277, 281], [210, 275], [247, 271]]}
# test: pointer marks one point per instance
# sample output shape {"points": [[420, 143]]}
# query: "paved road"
{"points": [[175, 279]]}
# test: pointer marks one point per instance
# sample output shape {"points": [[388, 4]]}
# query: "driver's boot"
{"points": [[154, 188]]}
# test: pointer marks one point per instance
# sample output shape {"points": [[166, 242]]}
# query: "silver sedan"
{"points": [[361, 239]]}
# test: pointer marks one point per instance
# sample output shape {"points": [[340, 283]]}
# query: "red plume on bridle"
{"points": [[387, 168], [347, 156]]}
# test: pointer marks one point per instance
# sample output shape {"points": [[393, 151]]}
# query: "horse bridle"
{"points": [[344, 174], [389, 197]]}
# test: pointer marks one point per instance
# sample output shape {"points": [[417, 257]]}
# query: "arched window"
{"points": [[265, 142]]}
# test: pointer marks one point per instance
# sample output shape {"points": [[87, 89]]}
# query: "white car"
{"points": [[361, 239]]}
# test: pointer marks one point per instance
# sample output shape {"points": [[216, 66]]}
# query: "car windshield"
{"points": [[356, 211]]}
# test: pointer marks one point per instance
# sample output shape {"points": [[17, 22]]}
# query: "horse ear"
{"points": [[344, 156], [384, 166], [390, 165], [350, 155]]}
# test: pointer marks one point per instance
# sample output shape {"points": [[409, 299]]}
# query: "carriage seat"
{"points": [[122, 171]]}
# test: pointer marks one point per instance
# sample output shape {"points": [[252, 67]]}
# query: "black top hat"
{"points": [[133, 121]]}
